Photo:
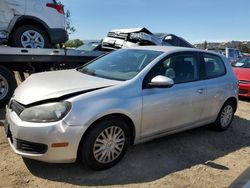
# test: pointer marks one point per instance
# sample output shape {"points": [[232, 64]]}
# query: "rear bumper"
{"points": [[58, 36], [244, 90]]}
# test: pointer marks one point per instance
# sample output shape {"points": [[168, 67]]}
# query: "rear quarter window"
{"points": [[214, 66]]}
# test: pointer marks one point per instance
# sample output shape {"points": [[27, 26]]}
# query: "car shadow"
{"points": [[2, 115], [242, 180], [245, 99], [155, 159]]}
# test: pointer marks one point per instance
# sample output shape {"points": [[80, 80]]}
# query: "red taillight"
{"points": [[59, 8]]}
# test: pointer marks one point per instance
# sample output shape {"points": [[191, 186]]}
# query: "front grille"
{"points": [[243, 91], [244, 82], [30, 147], [16, 107]]}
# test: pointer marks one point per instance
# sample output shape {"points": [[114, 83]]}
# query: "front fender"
{"points": [[85, 112]]}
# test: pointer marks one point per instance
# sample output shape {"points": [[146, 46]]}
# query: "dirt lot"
{"points": [[196, 158]]}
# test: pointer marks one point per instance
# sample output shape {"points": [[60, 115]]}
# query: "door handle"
{"points": [[201, 91]]}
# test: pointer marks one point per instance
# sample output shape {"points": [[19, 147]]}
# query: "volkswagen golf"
{"points": [[124, 98]]}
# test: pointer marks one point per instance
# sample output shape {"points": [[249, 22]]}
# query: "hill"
{"points": [[228, 44]]}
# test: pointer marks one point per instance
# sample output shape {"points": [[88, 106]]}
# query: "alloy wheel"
{"points": [[226, 116], [4, 87], [32, 39]]}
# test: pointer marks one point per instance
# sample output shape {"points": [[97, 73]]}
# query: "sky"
{"points": [[194, 20]]}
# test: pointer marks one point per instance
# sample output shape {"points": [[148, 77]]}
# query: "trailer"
{"points": [[22, 61]]}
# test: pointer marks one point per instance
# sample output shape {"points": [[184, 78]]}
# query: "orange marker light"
{"points": [[59, 145]]}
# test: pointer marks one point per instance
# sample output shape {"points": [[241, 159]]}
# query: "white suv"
{"points": [[32, 23]]}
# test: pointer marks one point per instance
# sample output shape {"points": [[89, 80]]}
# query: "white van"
{"points": [[231, 53]]}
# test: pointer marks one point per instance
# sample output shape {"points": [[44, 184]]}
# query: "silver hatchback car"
{"points": [[127, 97]]}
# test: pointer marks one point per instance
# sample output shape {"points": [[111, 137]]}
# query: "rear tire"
{"points": [[225, 116], [105, 143], [29, 36], [7, 85]]}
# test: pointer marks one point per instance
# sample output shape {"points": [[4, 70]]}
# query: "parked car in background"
{"points": [[124, 38], [126, 97], [32, 23], [242, 70], [94, 48], [90, 46], [174, 40]]}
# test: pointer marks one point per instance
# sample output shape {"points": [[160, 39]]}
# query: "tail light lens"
{"points": [[59, 8]]}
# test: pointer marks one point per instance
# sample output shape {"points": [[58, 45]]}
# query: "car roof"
{"points": [[174, 49], [168, 49]]}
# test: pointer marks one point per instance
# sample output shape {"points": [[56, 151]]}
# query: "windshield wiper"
{"points": [[88, 71]]}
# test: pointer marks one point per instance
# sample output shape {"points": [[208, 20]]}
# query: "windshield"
{"points": [[242, 63], [122, 65], [91, 46]]}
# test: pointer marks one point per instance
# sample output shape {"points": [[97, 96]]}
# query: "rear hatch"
{"points": [[56, 8]]}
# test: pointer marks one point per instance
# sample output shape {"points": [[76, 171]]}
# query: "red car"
{"points": [[242, 71]]}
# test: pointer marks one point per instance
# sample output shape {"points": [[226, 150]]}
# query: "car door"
{"points": [[216, 82], [166, 109]]}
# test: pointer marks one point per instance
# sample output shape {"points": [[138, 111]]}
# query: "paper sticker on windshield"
{"points": [[239, 64]]}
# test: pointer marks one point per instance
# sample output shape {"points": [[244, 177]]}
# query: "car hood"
{"points": [[56, 84], [242, 73]]}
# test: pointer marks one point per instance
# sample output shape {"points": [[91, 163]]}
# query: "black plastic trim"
{"points": [[58, 35], [30, 147]]}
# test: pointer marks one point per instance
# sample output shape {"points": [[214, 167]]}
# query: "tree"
{"points": [[74, 43], [71, 29], [69, 26], [243, 48], [205, 45]]}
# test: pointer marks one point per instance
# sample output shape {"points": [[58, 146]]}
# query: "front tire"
{"points": [[225, 116], [29, 36], [7, 85], [105, 143]]}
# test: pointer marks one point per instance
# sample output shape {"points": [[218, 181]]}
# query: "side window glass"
{"points": [[214, 66], [181, 68]]}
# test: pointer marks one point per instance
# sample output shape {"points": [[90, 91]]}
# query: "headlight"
{"points": [[50, 112]]}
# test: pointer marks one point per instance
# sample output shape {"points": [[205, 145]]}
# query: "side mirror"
{"points": [[168, 38], [161, 82]]}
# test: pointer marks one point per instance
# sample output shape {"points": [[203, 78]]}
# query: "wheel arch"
{"points": [[234, 101], [127, 119], [30, 20]]}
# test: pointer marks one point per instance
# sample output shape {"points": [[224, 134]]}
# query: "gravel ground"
{"points": [[195, 158]]}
